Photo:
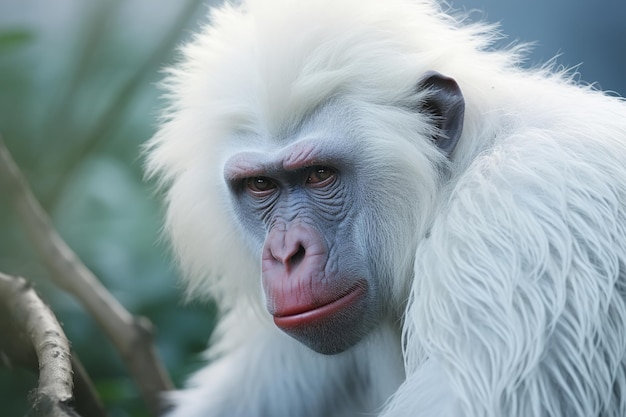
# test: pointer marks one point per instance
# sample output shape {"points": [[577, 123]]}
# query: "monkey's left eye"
{"points": [[260, 186], [321, 176]]}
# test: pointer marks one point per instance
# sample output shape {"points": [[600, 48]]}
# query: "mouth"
{"points": [[319, 314]]}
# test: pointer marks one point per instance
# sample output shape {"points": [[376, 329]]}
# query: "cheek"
{"points": [[389, 236], [250, 224]]}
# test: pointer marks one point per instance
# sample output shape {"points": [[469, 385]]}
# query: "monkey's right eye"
{"points": [[260, 186]]}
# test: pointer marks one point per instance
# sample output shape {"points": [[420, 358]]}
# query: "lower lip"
{"points": [[316, 315]]}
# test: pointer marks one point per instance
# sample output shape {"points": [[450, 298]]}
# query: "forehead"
{"points": [[331, 125], [327, 136]]}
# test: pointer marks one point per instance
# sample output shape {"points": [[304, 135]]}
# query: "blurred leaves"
{"points": [[77, 100], [14, 38]]}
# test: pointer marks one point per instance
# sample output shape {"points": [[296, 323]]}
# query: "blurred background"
{"points": [[78, 97]]}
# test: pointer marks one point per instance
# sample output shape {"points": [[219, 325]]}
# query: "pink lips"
{"points": [[318, 314]]}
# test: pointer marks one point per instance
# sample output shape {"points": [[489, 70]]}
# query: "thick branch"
{"points": [[28, 312], [131, 336], [17, 347]]}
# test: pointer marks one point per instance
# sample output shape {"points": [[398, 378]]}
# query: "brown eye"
{"points": [[321, 176], [260, 186]]}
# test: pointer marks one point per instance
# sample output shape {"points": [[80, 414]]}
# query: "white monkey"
{"points": [[395, 219]]}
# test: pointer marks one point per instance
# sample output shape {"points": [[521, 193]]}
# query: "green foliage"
{"points": [[77, 100], [14, 38]]}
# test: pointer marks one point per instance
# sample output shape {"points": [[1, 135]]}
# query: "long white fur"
{"points": [[517, 301]]}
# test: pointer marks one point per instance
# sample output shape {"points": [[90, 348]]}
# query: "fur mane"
{"points": [[284, 68]]}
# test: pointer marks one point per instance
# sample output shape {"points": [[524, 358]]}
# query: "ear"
{"points": [[446, 105]]}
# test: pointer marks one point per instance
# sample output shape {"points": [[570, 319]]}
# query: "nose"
{"points": [[290, 256], [288, 248]]}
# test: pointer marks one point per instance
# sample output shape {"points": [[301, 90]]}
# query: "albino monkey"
{"points": [[394, 218]]}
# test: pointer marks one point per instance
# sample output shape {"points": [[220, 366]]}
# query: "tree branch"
{"points": [[132, 336], [17, 346], [26, 309], [101, 130]]}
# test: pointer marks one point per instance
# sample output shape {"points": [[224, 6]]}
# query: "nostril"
{"points": [[297, 256], [287, 259]]}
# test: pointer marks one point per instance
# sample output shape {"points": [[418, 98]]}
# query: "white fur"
{"points": [[517, 302]]}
